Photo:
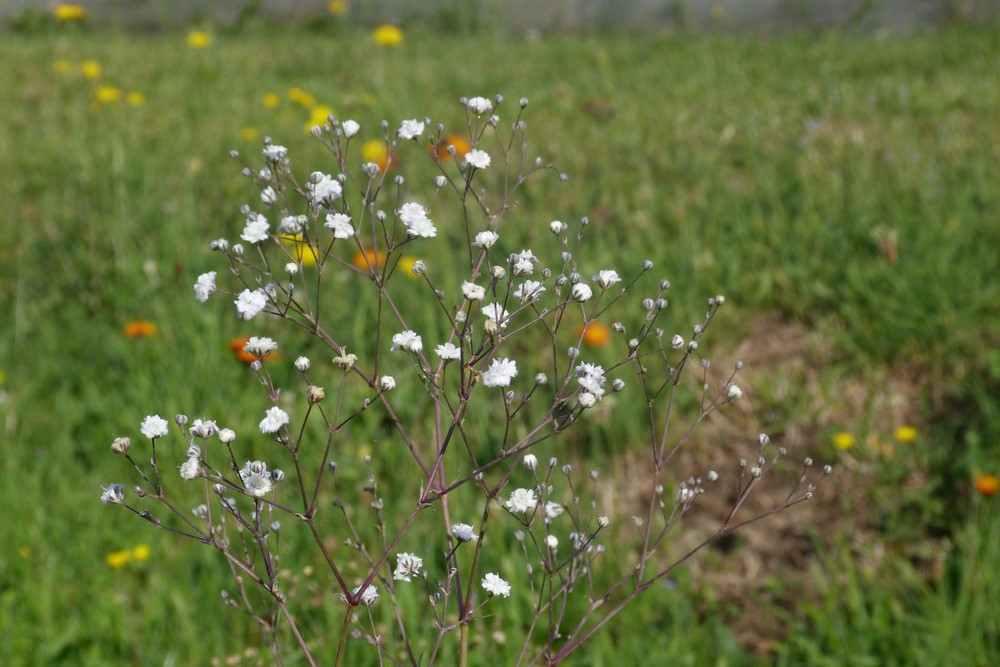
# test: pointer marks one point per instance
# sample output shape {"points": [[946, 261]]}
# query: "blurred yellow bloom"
{"points": [[374, 150], [388, 35], [301, 97], [25, 551], [140, 329], [271, 100], [319, 116], [987, 485], [141, 552], [69, 13], [406, 263], [300, 250], [107, 94], [91, 69], [337, 7], [118, 559], [199, 39], [905, 434], [249, 133], [62, 66], [843, 440], [134, 98], [364, 450]]}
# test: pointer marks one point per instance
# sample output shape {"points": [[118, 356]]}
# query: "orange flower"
{"points": [[237, 345], [140, 329], [594, 334], [987, 485], [460, 143], [368, 259]]}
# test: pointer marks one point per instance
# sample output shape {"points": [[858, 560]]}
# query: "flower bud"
{"points": [[530, 461], [315, 394], [302, 364], [121, 445]]}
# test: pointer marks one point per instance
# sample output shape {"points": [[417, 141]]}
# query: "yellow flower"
{"points": [[905, 434], [141, 552], [301, 251], [364, 450], [199, 39], [118, 559], [62, 66], [594, 334], [107, 94], [843, 440], [374, 150], [69, 13], [337, 7], [134, 98], [140, 329], [406, 263], [301, 97], [987, 485], [91, 69], [319, 116], [249, 133], [271, 100], [387, 35]]}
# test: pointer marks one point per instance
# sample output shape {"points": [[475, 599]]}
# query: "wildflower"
{"points": [[113, 493], [190, 468], [107, 94], [121, 445], [591, 379], [463, 532], [473, 292], [500, 373], [734, 392], [987, 485], [256, 228], [452, 145], [350, 128], [141, 552], [256, 480], [552, 509], [387, 383], [605, 278], [603, 521], [153, 426], [521, 500], [226, 436], [368, 259], [198, 39], [581, 292], [140, 329], [486, 239], [260, 346], [477, 158], [479, 105], [249, 133], [387, 35], [414, 216], [237, 345], [203, 428], [345, 361], [905, 434], [271, 100], [302, 364], [68, 13], [407, 566], [116, 560], [497, 313], [523, 263], [494, 585], [315, 394], [407, 340], [410, 129], [91, 69], [677, 342], [594, 334], [528, 291], [370, 595], [275, 153], [375, 151], [303, 98], [448, 351], [552, 542], [323, 189], [319, 116], [274, 419], [340, 224], [249, 304], [557, 227], [412, 267], [337, 7], [843, 440], [587, 399]]}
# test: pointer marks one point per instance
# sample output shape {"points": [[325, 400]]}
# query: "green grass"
{"points": [[761, 170]]}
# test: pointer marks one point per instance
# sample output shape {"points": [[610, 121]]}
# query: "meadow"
{"points": [[840, 190]]}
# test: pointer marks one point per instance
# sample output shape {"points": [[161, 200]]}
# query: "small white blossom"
{"points": [[227, 435], [190, 468], [323, 189], [154, 426], [268, 196], [273, 420], [552, 542], [292, 224], [407, 340], [734, 392], [350, 128], [497, 313], [677, 342], [113, 493], [407, 566], [524, 263], [591, 379], [463, 532], [521, 500], [340, 224], [587, 400], [275, 153], [529, 291], [448, 351], [249, 304], [494, 585], [553, 509], [204, 286], [387, 383], [530, 461], [500, 373], [557, 227], [477, 158], [581, 292], [605, 278], [486, 239], [256, 480], [291, 268], [260, 346], [410, 129], [302, 364], [479, 105], [414, 216], [603, 521], [203, 428], [473, 292]]}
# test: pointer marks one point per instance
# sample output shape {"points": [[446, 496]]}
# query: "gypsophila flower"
{"points": [[302, 364], [260, 346], [552, 542], [479, 105], [473, 292], [530, 461], [557, 227], [268, 196], [486, 239], [256, 228], [529, 291], [524, 263], [734, 392], [603, 521], [340, 224], [521, 500], [477, 158], [605, 278], [410, 129], [414, 216], [370, 595], [203, 428], [587, 400], [553, 509], [387, 383], [496, 312], [350, 128], [190, 468], [121, 445], [407, 566], [204, 286], [275, 153], [407, 340], [494, 585], [227, 436], [291, 268], [677, 342], [463, 532], [500, 373], [448, 351], [113, 493], [581, 292], [154, 426], [323, 189], [250, 304], [256, 480], [292, 224], [273, 420], [591, 379]]}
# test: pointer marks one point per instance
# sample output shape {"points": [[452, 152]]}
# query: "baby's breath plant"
{"points": [[428, 324]]}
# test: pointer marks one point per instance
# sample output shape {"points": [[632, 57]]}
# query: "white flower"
{"points": [[479, 105], [203, 428], [557, 227], [275, 153], [603, 521], [521, 500], [591, 379], [500, 373], [486, 239], [204, 286], [496, 312], [477, 158], [551, 541], [249, 304], [256, 479], [369, 596], [473, 292], [524, 263], [587, 400], [291, 268], [227, 435], [410, 129], [256, 228], [153, 426], [350, 128], [448, 351], [340, 224], [113, 493], [581, 292], [552, 510], [414, 216], [260, 346], [530, 461], [268, 196], [734, 392], [463, 532], [387, 383], [323, 189], [529, 291], [605, 278], [273, 420], [677, 342], [190, 468], [292, 224], [302, 364], [407, 340], [407, 566], [494, 585]]}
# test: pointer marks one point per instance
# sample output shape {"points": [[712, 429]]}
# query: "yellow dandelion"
{"points": [[69, 13], [843, 440], [387, 35], [91, 69], [107, 94], [62, 66], [905, 434], [134, 98], [116, 560], [303, 98], [319, 116], [271, 100], [199, 39], [337, 7], [249, 133], [301, 252], [141, 552]]}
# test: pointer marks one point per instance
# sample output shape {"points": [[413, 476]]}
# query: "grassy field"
{"points": [[841, 191]]}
